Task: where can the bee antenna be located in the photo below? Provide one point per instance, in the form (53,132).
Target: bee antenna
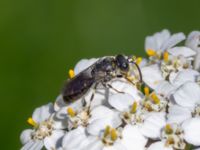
(138,68)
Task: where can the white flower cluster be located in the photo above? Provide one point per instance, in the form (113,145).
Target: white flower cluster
(162,113)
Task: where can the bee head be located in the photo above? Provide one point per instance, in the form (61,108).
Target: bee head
(122,63)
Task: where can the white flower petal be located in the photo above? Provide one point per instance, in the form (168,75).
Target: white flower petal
(143,63)
(172,76)
(59,103)
(25,136)
(132,138)
(73,138)
(126,87)
(83,64)
(55,140)
(185,76)
(60,123)
(191,131)
(178,114)
(98,99)
(116,146)
(193,40)
(95,145)
(85,144)
(42,113)
(39,146)
(184,51)
(100,112)
(187,95)
(159,146)
(62,113)
(157,40)
(152,75)
(165,88)
(173,40)
(98,125)
(121,102)
(33,145)
(153,124)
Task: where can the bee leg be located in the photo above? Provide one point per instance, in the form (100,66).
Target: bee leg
(111,87)
(84,103)
(138,85)
(129,81)
(121,76)
(92,96)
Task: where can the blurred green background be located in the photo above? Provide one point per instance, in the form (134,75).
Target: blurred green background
(41,39)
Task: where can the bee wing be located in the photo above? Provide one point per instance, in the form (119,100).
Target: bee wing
(80,84)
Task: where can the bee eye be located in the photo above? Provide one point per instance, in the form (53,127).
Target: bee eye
(122,62)
(124,65)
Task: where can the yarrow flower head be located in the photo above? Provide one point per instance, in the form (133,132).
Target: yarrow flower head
(133,103)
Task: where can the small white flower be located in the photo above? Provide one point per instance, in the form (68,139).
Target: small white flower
(173,136)
(173,65)
(47,131)
(154,102)
(156,44)
(163,40)
(128,107)
(127,138)
(101,117)
(74,116)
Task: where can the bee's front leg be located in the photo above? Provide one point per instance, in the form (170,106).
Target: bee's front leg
(107,85)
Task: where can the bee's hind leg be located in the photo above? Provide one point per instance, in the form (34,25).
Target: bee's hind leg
(92,96)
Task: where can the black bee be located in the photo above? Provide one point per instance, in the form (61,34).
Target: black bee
(102,71)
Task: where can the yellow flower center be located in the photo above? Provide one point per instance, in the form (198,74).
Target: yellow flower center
(71,112)
(113,134)
(168,129)
(151,52)
(166,56)
(71,73)
(134,107)
(107,131)
(146,91)
(138,60)
(110,134)
(32,122)
(155,98)
(148,107)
